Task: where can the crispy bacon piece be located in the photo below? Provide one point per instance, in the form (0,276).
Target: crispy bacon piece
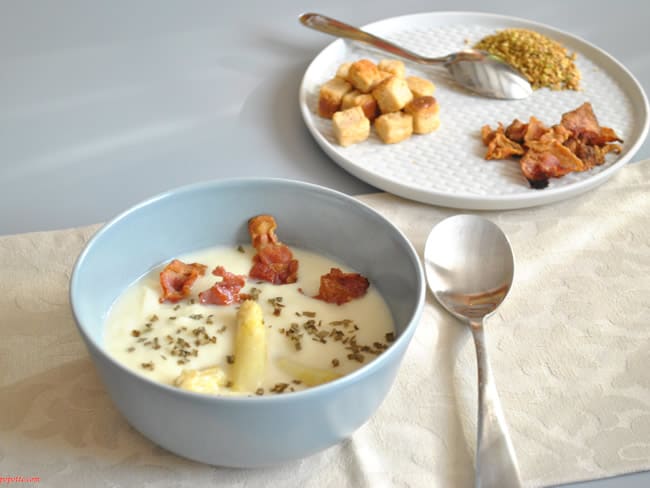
(262,231)
(607,135)
(223,292)
(516,131)
(534,130)
(275,264)
(499,146)
(583,124)
(556,133)
(339,287)
(591,155)
(544,161)
(487,134)
(502,148)
(614,148)
(274,261)
(177,278)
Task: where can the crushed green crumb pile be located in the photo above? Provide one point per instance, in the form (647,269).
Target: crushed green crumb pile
(545,62)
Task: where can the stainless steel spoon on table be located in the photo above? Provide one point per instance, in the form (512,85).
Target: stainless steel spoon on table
(478,71)
(469,266)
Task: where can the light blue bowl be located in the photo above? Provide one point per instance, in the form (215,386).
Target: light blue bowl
(257,431)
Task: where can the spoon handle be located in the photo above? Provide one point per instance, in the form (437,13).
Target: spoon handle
(496,463)
(340,29)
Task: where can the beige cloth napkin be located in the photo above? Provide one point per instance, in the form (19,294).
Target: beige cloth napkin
(570,349)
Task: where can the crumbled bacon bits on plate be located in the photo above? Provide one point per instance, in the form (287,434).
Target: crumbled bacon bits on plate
(577,143)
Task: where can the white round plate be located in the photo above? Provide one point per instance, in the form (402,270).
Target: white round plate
(447,167)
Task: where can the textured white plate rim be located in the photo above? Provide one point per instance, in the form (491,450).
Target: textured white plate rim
(633,89)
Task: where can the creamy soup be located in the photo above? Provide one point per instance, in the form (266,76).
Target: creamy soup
(162,340)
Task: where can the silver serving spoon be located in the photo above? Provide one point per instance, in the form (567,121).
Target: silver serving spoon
(470,267)
(478,71)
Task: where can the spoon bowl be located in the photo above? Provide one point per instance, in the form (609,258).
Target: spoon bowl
(469,267)
(477,71)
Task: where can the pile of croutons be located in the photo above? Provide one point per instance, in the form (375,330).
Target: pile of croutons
(363,93)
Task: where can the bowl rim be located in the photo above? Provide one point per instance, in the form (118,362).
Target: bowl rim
(346,380)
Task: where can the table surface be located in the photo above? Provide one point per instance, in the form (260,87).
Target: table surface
(105,104)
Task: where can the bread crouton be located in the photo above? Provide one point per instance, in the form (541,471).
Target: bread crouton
(331,96)
(364,100)
(350,126)
(392,94)
(384,75)
(364,75)
(420,87)
(425,114)
(394,127)
(344,71)
(393,66)
(349,99)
